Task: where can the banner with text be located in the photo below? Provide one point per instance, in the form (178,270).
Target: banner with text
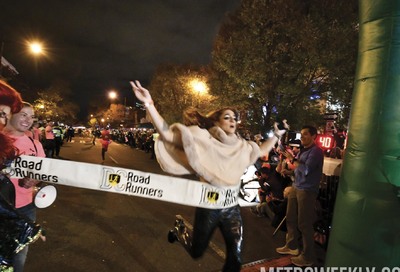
(124,181)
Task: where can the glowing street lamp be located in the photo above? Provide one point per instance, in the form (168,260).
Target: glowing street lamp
(198,86)
(35,48)
(112,94)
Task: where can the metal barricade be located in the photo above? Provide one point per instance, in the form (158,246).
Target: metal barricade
(326,199)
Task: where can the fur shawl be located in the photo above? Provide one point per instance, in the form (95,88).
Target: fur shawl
(214,156)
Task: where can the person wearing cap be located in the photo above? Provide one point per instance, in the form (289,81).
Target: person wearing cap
(286,166)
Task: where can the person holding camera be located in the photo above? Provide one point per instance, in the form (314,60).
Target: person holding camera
(300,214)
(286,166)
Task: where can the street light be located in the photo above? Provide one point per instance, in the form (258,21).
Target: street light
(199,87)
(33,47)
(112,94)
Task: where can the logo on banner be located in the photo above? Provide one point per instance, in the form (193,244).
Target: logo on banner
(220,196)
(129,182)
(114,179)
(212,197)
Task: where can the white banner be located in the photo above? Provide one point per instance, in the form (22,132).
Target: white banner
(124,181)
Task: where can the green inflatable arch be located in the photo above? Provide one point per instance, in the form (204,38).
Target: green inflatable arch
(366,222)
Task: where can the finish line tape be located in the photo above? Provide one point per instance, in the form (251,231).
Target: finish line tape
(124,181)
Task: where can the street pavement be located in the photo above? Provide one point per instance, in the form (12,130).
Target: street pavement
(89,230)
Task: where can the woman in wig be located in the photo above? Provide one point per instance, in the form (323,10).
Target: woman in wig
(209,147)
(16,231)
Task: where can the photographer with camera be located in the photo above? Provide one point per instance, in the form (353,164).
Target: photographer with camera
(285,165)
(300,214)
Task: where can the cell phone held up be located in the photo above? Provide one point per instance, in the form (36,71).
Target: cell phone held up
(283,148)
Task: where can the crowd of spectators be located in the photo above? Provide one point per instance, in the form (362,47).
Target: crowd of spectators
(284,188)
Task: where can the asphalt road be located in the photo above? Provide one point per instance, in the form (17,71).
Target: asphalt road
(89,230)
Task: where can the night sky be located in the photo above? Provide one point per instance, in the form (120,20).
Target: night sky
(97,45)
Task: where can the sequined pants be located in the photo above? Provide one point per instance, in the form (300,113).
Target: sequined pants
(19,259)
(229,221)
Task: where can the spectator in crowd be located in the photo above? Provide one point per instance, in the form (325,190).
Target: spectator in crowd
(339,135)
(154,137)
(300,215)
(270,189)
(131,138)
(16,231)
(16,129)
(10,102)
(42,129)
(278,209)
(70,133)
(35,130)
(95,134)
(49,143)
(58,138)
(149,141)
(285,166)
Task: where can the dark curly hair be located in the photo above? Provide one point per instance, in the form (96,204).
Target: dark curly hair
(7,150)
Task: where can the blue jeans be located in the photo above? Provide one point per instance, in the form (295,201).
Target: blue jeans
(20,258)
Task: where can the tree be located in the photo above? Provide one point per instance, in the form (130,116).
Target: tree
(270,57)
(54,104)
(173,93)
(115,114)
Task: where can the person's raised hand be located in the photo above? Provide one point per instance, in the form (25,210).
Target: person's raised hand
(288,154)
(285,124)
(141,93)
(278,132)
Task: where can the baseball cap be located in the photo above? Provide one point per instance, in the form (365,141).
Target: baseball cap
(296,143)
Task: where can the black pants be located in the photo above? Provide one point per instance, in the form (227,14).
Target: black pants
(49,147)
(57,145)
(229,221)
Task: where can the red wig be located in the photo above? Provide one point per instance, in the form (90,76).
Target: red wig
(7,150)
(10,97)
